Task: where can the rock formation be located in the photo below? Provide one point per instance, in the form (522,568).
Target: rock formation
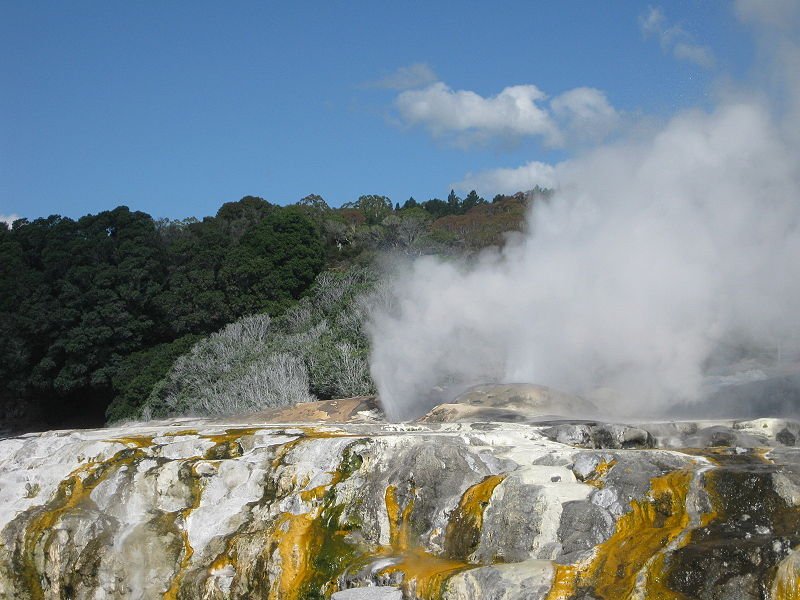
(482,508)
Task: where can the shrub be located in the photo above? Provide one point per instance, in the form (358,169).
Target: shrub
(315,349)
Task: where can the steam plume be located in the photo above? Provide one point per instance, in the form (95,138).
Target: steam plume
(657,259)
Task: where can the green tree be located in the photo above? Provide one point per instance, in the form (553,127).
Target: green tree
(314,202)
(374,208)
(89,289)
(138,372)
(193,299)
(436,208)
(274,263)
(471,201)
(453,202)
(235,219)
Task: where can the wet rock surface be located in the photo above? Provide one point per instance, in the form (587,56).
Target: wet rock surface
(363,509)
(756,528)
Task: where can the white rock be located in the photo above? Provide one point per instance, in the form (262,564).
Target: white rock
(369,593)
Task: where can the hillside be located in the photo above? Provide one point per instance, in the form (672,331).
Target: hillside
(94,312)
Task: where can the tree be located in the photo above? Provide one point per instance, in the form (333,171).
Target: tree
(404,230)
(235,219)
(410,203)
(437,208)
(88,298)
(137,374)
(471,201)
(274,263)
(91,309)
(314,202)
(374,208)
(453,202)
(193,300)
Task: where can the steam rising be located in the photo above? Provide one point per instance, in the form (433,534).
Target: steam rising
(657,261)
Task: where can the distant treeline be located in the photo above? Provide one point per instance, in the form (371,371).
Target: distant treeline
(95,311)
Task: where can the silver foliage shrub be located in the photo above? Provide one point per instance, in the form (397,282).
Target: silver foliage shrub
(316,349)
(270,381)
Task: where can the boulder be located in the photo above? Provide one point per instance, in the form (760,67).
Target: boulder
(510,402)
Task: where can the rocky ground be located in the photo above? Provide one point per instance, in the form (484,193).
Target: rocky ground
(495,497)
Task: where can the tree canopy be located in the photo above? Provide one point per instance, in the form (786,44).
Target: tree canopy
(95,312)
(78,297)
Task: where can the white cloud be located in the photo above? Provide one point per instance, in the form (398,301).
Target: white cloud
(464,117)
(675,39)
(653,23)
(699,55)
(774,13)
(407,78)
(586,112)
(512,113)
(9,219)
(509,181)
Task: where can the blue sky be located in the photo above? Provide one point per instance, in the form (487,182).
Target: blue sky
(174,108)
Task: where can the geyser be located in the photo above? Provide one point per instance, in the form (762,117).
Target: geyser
(657,255)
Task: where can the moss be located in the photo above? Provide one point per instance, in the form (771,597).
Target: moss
(351,461)
(225,450)
(181,432)
(334,553)
(136,441)
(228,445)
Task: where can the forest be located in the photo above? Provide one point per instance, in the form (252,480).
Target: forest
(118,315)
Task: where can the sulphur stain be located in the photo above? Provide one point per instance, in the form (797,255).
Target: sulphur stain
(425,575)
(349,464)
(71,493)
(786,585)
(598,476)
(399,519)
(295,536)
(135,441)
(466,522)
(747,507)
(226,445)
(633,556)
(311,548)
(325,540)
(192,479)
